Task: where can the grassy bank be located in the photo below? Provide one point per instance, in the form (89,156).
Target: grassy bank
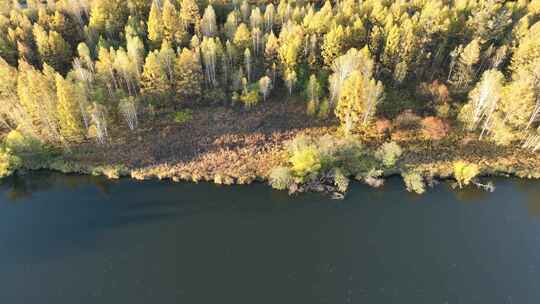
(231,146)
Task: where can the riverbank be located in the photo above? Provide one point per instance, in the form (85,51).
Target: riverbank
(231,146)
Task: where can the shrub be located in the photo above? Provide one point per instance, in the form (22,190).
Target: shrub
(372,178)
(250,98)
(306,161)
(414,182)
(182,117)
(388,153)
(311,108)
(407,120)
(434,128)
(214,96)
(465,172)
(29,150)
(341,181)
(8,162)
(281,178)
(17,142)
(324,109)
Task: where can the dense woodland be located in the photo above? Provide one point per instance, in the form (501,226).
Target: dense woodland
(72,70)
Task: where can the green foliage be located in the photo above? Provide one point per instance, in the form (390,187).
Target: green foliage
(340,180)
(182,117)
(188,77)
(305,161)
(18,143)
(23,149)
(8,162)
(164,53)
(414,182)
(465,172)
(281,178)
(388,153)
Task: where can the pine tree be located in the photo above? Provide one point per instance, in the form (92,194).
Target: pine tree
(108,17)
(69,115)
(189,14)
(231,24)
(466,72)
(271,50)
(155,85)
(208,23)
(358,101)
(333,45)
(173,30)
(52,49)
(155,26)
(188,77)
(290,39)
(242,37)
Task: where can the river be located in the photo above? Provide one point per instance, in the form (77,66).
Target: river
(83,239)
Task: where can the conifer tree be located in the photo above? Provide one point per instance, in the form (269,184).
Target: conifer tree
(154,82)
(358,101)
(173,30)
(242,37)
(208,23)
(231,24)
(333,45)
(189,13)
(69,116)
(188,77)
(155,26)
(271,50)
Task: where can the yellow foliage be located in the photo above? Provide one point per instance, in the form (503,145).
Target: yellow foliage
(464,172)
(305,161)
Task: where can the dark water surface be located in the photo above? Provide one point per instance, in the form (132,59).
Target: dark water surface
(79,239)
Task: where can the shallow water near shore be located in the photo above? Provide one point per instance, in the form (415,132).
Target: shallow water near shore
(86,239)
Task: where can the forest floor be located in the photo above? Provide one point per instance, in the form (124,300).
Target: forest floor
(228,145)
(232,144)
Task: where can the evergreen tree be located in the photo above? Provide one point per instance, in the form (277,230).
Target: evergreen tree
(155,85)
(358,101)
(188,77)
(242,37)
(155,26)
(173,30)
(333,45)
(189,14)
(108,17)
(208,23)
(69,116)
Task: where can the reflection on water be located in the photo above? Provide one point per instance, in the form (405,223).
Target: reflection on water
(532,194)
(85,239)
(19,187)
(469,194)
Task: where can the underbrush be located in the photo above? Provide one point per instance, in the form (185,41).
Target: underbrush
(327,163)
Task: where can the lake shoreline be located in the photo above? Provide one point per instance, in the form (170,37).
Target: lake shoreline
(230,146)
(439,171)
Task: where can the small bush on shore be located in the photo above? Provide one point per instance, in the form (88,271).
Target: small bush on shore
(8,162)
(389,153)
(281,178)
(414,182)
(31,152)
(465,172)
(327,162)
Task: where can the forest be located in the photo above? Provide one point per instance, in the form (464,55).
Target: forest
(379,74)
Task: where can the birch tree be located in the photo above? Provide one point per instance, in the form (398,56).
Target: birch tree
(265,86)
